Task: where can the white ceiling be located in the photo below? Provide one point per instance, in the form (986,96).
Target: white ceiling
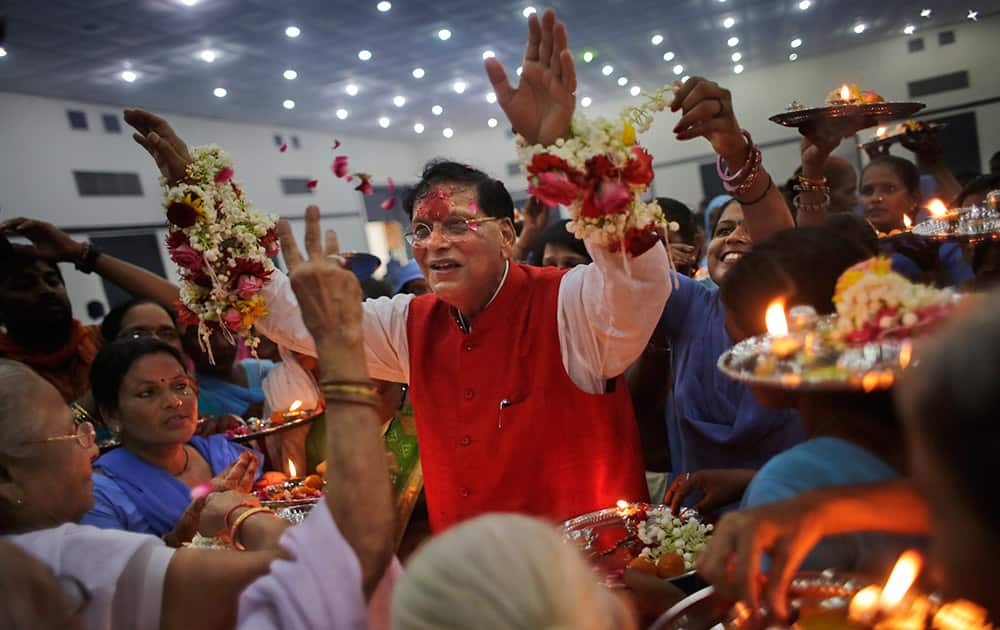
(77,49)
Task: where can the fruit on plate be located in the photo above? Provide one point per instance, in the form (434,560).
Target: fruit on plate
(642,565)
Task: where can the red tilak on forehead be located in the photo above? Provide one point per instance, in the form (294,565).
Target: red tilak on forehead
(434,205)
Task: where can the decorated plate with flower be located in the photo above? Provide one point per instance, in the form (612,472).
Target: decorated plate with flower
(871,114)
(972,224)
(255,428)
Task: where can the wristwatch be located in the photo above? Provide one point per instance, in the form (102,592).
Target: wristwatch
(88,258)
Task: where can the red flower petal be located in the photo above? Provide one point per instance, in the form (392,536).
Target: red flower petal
(311,184)
(392,185)
(349,178)
(365,187)
(389,203)
(336,144)
(339,166)
(283,148)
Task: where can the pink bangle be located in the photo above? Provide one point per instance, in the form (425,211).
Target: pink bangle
(754,163)
(740,173)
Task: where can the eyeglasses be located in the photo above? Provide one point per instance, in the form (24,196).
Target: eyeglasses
(451,228)
(84,436)
(163,334)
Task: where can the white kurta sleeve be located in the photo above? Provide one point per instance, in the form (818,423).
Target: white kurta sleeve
(607,313)
(384,328)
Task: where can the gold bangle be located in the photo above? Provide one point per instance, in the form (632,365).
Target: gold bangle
(349,400)
(819,181)
(335,389)
(235,529)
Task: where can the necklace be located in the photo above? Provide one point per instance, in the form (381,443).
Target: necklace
(187,461)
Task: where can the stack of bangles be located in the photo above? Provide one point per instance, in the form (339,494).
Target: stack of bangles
(742,181)
(351,392)
(810,185)
(234,528)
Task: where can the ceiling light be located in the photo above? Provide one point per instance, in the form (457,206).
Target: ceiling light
(459,86)
(437,110)
(208,56)
(290,74)
(795,43)
(352,89)
(926,13)
(3,51)
(585,101)
(684,79)
(733,42)
(656,40)
(293,32)
(488,54)
(588,56)
(736,56)
(491,97)
(447,132)
(444,34)
(364,55)
(220,92)
(418,73)
(399,101)
(418,128)
(128,76)
(384,122)
(738,68)
(793,56)
(519,70)
(383,6)
(492,122)
(189,3)
(678,69)
(288,103)
(342,113)
(972,15)
(859,28)
(729,22)
(669,55)
(607,70)
(805,4)
(910,29)
(622,81)
(528,11)
(635,90)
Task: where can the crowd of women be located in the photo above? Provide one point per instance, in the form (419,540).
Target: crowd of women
(602,372)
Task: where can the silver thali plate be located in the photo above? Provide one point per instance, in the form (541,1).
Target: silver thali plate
(973,224)
(871,114)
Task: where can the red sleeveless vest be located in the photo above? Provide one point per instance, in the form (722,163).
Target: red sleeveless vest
(501,426)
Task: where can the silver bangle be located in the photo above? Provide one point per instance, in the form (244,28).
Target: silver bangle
(811,207)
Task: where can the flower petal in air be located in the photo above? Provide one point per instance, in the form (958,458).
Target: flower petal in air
(339,166)
(312,183)
(389,203)
(283,148)
(392,185)
(336,144)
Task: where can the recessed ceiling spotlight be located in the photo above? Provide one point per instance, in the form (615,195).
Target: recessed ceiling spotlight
(488,54)
(437,110)
(342,113)
(736,56)
(729,22)
(3,51)
(364,55)
(635,90)
(607,70)
(208,55)
(447,132)
(383,6)
(290,74)
(678,69)
(738,68)
(793,56)
(795,43)
(972,15)
(859,28)
(352,89)
(384,122)
(669,55)
(684,79)
(529,11)
(492,122)
(129,76)
(909,29)
(588,56)
(459,86)
(189,3)
(585,101)
(288,103)
(805,4)
(293,32)
(491,97)
(520,69)
(656,40)
(399,101)
(733,42)
(444,34)
(418,73)
(926,13)
(220,92)
(623,81)
(418,128)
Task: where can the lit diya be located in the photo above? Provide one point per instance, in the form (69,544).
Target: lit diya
(866,107)
(972,224)
(280,420)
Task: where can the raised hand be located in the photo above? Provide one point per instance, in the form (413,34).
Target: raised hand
(541,107)
(47,241)
(708,112)
(820,140)
(239,475)
(158,138)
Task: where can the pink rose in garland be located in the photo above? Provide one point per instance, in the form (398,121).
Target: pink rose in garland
(270,243)
(232,319)
(247,286)
(612,198)
(553,188)
(187,257)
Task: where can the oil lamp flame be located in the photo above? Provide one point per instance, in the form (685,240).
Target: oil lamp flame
(777,323)
(291,468)
(907,222)
(845,93)
(905,354)
(622,504)
(937,208)
(903,575)
(295,405)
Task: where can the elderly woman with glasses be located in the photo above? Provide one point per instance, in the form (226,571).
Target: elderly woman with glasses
(146,397)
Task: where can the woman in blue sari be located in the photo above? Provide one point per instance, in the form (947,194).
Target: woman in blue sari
(146,396)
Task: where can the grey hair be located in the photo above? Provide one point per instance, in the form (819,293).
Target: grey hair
(17,383)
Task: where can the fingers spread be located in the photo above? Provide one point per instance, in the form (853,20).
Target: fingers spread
(289,248)
(313,234)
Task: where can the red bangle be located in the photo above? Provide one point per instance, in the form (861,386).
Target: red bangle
(229,514)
